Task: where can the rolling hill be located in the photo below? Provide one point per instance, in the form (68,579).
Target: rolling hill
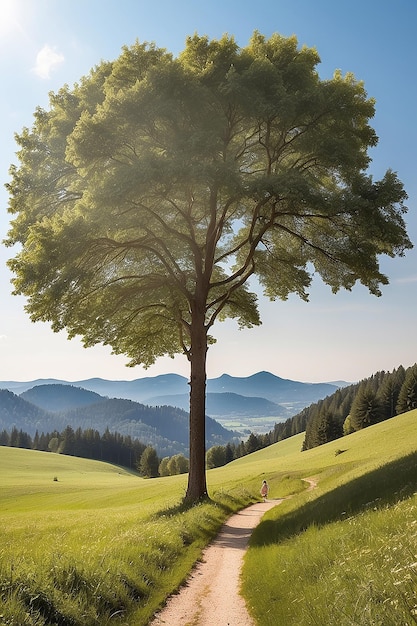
(55,397)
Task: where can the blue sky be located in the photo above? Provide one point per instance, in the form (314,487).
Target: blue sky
(47,43)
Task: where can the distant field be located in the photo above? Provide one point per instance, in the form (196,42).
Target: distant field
(84,542)
(249,425)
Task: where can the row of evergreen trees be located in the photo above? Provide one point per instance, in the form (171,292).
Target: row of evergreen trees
(111,447)
(124,450)
(380,397)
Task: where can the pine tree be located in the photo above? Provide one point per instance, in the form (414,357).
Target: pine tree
(366,408)
(14,441)
(229,453)
(67,445)
(4,438)
(252,444)
(388,394)
(328,428)
(407,399)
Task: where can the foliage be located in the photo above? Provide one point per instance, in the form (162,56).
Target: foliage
(170,466)
(163,467)
(366,409)
(178,464)
(292,426)
(111,447)
(89,444)
(389,391)
(149,463)
(357,406)
(407,397)
(160,186)
(216,457)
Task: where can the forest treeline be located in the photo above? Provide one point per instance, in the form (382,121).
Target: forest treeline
(380,397)
(375,399)
(111,447)
(124,450)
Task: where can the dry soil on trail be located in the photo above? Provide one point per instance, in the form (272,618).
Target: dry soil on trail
(211,595)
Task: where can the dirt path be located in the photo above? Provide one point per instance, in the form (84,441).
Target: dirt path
(211,595)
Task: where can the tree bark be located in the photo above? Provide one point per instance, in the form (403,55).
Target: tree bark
(197,485)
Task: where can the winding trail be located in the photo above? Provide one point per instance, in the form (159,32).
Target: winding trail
(211,595)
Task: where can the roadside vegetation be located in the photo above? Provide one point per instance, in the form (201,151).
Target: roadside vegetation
(88,543)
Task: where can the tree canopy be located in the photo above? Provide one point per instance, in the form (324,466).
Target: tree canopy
(149,193)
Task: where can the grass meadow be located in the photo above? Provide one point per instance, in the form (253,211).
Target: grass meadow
(85,543)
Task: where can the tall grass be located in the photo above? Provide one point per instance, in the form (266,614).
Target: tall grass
(345,553)
(86,543)
(360,571)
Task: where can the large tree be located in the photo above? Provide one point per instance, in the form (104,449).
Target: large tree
(148,195)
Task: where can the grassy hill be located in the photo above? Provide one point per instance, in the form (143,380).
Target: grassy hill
(86,543)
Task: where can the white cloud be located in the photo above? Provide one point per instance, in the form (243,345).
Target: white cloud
(47,60)
(3,337)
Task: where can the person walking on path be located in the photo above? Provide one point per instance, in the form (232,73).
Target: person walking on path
(264,490)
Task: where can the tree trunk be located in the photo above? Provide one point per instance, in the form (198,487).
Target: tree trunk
(197,485)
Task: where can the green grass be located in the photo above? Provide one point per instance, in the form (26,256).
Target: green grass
(85,543)
(346,552)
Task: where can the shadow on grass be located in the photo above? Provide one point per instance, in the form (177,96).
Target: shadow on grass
(386,485)
(185,505)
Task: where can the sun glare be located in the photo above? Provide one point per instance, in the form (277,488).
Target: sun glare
(9,17)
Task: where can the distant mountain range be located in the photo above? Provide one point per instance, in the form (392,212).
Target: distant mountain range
(226,395)
(155,409)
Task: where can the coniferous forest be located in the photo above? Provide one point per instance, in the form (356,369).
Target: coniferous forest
(380,397)
(375,399)
(89,444)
